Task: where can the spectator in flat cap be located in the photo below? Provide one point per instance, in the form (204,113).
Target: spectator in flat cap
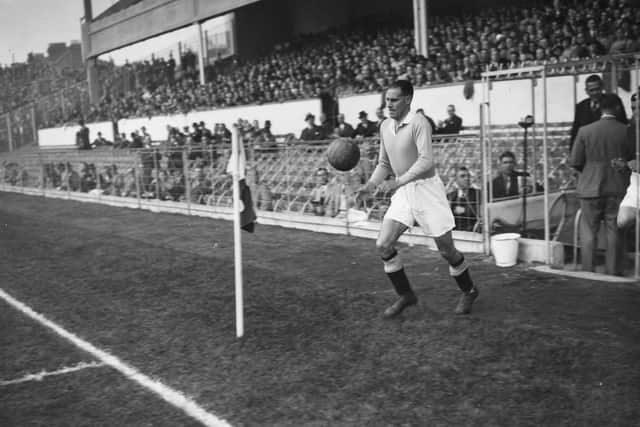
(365,128)
(312,132)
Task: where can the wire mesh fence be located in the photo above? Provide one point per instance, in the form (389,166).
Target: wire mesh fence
(290,177)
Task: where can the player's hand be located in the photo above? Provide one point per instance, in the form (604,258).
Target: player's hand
(633,165)
(389,185)
(364,192)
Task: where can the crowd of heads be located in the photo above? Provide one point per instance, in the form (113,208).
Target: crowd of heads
(337,62)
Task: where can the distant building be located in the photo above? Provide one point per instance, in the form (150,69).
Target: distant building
(56,50)
(63,56)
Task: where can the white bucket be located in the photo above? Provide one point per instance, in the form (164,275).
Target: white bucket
(504,248)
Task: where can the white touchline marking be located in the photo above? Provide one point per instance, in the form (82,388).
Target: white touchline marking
(42,374)
(170,395)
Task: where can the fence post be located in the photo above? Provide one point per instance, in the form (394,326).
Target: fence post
(9,131)
(67,178)
(34,125)
(98,178)
(43,175)
(136,175)
(156,168)
(187,182)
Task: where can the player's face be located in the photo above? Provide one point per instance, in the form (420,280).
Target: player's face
(397,103)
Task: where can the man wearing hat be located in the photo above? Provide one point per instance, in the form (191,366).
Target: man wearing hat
(312,132)
(365,128)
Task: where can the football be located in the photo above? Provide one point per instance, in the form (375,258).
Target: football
(343,154)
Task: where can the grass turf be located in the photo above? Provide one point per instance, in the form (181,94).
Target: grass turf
(157,291)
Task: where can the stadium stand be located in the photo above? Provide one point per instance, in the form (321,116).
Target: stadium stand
(335,62)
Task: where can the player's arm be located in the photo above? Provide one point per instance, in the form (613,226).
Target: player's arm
(380,173)
(424,164)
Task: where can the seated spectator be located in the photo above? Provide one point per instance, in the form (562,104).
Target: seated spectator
(262,197)
(366,128)
(101,141)
(344,129)
(88,180)
(207,136)
(506,183)
(200,186)
(136,141)
(452,124)
(325,197)
(265,132)
(126,184)
(312,132)
(70,179)
(196,133)
(175,185)
(465,201)
(121,141)
(107,179)
(149,159)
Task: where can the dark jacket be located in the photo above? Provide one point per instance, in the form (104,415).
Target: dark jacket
(82,138)
(499,186)
(596,145)
(346,131)
(451,125)
(368,130)
(312,134)
(584,115)
(465,209)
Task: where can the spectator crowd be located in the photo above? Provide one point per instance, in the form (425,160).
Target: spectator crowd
(356,61)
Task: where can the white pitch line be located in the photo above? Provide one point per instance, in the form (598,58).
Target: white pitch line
(42,374)
(170,395)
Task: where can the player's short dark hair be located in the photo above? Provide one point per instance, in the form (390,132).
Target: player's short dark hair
(462,168)
(610,102)
(405,86)
(507,154)
(593,78)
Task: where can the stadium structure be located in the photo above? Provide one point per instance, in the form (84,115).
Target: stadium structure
(492,100)
(119,267)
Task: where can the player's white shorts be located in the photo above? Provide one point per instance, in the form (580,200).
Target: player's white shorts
(631,198)
(425,202)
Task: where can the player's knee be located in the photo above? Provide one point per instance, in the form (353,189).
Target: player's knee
(384,247)
(447,249)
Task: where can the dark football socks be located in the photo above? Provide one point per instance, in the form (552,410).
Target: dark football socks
(395,271)
(460,272)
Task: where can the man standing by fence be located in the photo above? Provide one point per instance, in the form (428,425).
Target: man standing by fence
(600,153)
(82,137)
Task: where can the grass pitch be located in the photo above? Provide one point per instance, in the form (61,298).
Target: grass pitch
(156,290)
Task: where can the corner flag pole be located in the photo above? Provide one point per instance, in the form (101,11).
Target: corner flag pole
(237,238)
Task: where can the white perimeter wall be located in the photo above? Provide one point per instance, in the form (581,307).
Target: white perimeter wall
(285,118)
(65,136)
(510,101)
